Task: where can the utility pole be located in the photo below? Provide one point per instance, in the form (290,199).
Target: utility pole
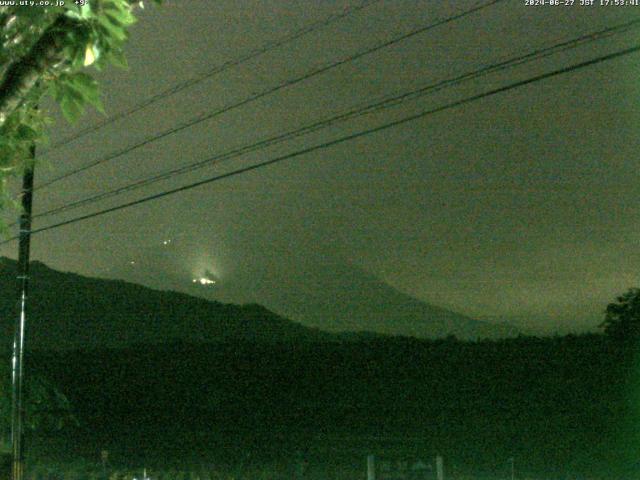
(17,408)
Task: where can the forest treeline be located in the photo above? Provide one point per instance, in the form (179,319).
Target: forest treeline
(554,404)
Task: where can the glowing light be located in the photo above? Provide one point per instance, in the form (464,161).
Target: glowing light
(166,242)
(204,281)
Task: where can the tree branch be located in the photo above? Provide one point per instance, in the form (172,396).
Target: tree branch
(21,76)
(6,19)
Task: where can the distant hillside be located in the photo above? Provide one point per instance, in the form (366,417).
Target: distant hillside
(340,297)
(317,290)
(70,311)
(73,311)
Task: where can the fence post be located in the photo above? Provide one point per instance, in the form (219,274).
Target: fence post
(371,467)
(439,468)
(301,465)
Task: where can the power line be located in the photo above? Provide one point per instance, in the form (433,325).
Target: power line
(340,140)
(214,71)
(386,102)
(269,91)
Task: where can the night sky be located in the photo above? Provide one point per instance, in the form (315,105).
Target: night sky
(521,206)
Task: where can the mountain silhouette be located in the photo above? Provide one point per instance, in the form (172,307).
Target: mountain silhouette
(68,311)
(339,296)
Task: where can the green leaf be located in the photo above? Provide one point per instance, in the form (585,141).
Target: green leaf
(69,91)
(113,27)
(88,88)
(7,158)
(55,91)
(91,54)
(117,58)
(121,11)
(85,83)
(85,11)
(72,10)
(25,132)
(71,109)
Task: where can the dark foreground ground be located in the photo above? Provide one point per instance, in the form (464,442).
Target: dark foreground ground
(561,408)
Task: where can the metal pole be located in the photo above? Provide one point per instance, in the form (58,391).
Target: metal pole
(371,467)
(17,408)
(439,468)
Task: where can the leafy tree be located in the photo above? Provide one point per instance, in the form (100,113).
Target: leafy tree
(622,320)
(46,51)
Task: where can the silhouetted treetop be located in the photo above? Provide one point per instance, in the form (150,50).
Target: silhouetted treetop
(622,320)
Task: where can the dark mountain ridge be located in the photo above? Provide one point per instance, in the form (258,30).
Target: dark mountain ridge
(316,289)
(68,311)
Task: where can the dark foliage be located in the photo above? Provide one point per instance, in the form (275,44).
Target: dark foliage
(561,404)
(622,320)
